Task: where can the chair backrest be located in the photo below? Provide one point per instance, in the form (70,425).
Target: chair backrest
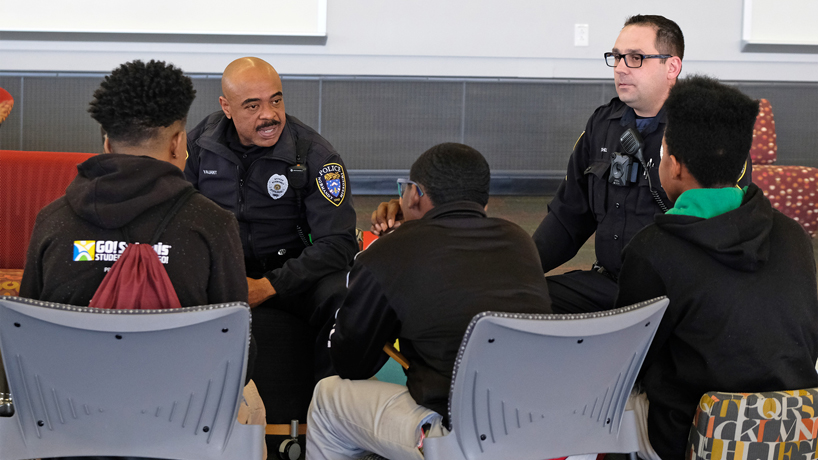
(132,383)
(546,386)
(28,182)
(773,424)
(764,149)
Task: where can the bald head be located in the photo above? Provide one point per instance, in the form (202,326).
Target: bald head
(246,68)
(254,100)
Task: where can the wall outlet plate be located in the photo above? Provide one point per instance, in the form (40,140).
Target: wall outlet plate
(581,34)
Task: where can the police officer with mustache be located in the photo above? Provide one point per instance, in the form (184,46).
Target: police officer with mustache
(289,191)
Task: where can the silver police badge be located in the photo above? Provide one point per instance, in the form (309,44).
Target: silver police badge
(332,183)
(277,186)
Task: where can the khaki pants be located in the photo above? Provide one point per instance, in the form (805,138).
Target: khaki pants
(349,418)
(251,410)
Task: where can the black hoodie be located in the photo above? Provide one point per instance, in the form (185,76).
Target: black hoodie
(77,238)
(423,283)
(743,313)
(200,248)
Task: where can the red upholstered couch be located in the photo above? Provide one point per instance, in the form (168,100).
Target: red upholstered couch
(791,189)
(28,182)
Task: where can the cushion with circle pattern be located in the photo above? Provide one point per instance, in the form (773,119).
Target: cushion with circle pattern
(764,150)
(10,282)
(791,190)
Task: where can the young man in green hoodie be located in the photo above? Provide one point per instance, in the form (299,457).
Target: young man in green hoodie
(740,276)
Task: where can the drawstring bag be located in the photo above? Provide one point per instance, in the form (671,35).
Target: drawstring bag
(137,280)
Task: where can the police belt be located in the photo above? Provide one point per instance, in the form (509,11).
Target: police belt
(256,267)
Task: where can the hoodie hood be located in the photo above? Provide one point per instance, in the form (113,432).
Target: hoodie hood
(111,190)
(739,239)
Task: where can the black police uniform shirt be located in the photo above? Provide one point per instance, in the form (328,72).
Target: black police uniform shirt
(586,202)
(265,203)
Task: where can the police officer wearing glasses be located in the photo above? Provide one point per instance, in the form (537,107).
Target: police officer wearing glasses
(612,187)
(612,184)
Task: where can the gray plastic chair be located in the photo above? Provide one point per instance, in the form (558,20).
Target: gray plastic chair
(137,383)
(546,386)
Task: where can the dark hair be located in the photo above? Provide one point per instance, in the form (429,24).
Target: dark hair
(137,98)
(710,129)
(452,172)
(669,37)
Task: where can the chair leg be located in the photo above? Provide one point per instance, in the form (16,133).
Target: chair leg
(632,456)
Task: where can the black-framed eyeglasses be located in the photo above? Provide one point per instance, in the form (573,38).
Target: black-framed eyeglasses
(632,60)
(402,183)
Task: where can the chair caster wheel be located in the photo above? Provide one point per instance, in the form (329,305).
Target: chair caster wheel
(289,449)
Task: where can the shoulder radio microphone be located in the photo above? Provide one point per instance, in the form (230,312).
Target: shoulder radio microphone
(623,170)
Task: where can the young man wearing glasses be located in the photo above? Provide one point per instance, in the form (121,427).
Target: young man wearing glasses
(646,59)
(422,284)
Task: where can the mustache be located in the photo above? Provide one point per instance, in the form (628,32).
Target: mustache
(268,124)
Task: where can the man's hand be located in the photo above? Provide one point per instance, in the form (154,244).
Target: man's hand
(387,217)
(259,291)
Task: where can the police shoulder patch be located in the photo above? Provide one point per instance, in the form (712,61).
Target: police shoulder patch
(332,183)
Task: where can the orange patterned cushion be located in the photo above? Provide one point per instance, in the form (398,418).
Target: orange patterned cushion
(10,282)
(764,150)
(741,426)
(791,190)
(5,109)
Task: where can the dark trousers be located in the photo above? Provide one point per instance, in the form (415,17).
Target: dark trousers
(291,334)
(581,291)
